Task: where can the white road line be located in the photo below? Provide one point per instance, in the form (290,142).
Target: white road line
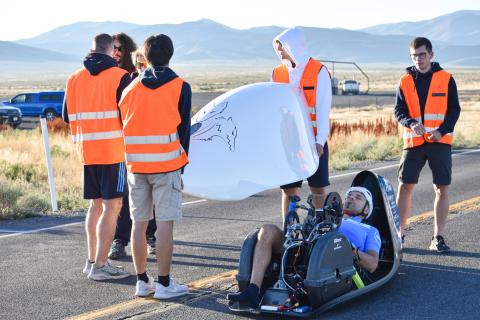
(439,269)
(18,233)
(394,165)
(14,233)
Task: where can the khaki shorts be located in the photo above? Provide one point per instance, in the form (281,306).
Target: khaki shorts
(162,190)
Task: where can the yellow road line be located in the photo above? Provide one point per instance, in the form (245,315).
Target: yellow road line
(472,203)
(137,302)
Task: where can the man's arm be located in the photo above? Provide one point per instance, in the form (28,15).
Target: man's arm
(185,108)
(401,110)
(124,82)
(323,106)
(368,260)
(453,109)
(64,109)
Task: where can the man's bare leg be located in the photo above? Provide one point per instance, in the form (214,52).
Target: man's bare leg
(91,221)
(319,194)
(106,229)
(404,203)
(440,208)
(269,240)
(286,193)
(164,246)
(139,246)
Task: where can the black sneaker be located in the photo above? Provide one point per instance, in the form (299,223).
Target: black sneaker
(117,251)
(246,300)
(438,244)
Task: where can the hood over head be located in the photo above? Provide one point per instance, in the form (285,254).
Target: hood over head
(293,41)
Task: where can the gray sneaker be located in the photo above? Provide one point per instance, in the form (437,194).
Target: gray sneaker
(117,251)
(151,246)
(107,272)
(88,267)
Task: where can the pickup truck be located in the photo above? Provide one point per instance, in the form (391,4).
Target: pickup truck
(10,116)
(349,87)
(48,104)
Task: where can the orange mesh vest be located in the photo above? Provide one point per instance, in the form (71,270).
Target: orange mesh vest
(308,83)
(94,117)
(150,120)
(435,108)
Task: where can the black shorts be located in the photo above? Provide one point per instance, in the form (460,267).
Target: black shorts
(439,157)
(105,181)
(320,178)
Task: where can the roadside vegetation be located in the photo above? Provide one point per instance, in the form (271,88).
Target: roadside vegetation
(24,189)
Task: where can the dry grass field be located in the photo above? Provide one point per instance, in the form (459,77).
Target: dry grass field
(371,134)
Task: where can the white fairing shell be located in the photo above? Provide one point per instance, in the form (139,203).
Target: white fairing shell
(247,140)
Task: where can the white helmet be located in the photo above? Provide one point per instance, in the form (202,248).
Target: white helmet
(367,194)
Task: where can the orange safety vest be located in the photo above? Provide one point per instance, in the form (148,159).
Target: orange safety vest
(435,108)
(94,117)
(308,83)
(150,120)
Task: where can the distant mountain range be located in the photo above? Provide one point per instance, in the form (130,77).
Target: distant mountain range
(458,28)
(456,40)
(11,51)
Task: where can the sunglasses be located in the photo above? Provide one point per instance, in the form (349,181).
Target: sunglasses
(119,48)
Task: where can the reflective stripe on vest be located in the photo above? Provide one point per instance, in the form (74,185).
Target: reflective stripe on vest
(97,136)
(435,108)
(308,83)
(152,146)
(162,139)
(154,157)
(94,117)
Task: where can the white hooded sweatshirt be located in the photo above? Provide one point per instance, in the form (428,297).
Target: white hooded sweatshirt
(293,41)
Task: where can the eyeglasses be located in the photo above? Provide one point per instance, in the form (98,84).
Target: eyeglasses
(119,48)
(417,56)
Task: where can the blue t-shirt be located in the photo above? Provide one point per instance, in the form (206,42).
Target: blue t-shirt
(361,235)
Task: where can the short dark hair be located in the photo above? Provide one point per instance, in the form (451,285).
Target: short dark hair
(158,50)
(421,41)
(127,46)
(102,43)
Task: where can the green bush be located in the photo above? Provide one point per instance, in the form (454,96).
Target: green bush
(8,199)
(386,148)
(370,149)
(71,200)
(33,203)
(57,152)
(24,172)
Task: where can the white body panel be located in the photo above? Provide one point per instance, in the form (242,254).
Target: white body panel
(247,140)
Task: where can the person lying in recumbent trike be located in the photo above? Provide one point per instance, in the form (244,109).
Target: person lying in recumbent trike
(271,242)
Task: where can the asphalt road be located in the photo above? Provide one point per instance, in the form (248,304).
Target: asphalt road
(41,277)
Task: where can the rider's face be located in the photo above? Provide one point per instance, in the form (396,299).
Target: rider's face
(354,203)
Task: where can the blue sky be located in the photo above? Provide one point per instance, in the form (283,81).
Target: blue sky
(28,18)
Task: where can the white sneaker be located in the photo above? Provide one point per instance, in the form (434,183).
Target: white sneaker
(144,289)
(107,272)
(173,290)
(88,267)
